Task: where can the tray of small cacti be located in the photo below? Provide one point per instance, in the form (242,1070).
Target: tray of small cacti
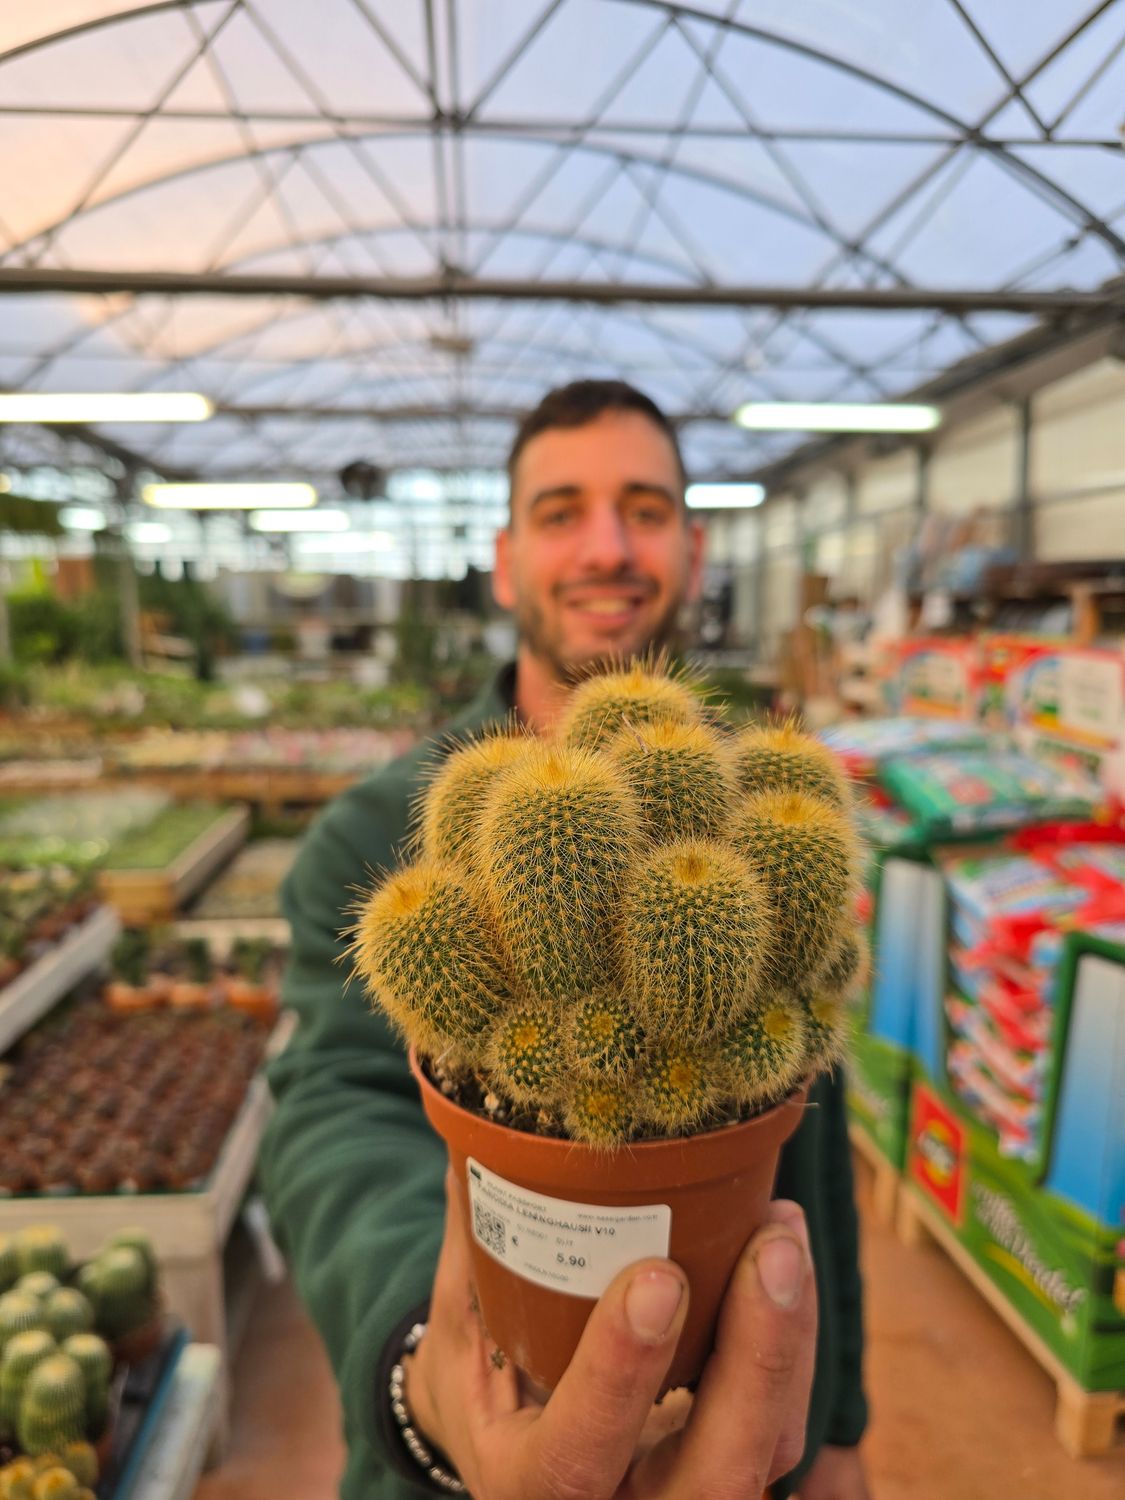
(148,875)
(250,886)
(69,1334)
(152,969)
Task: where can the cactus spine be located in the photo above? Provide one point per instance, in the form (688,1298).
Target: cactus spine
(452,805)
(600,1111)
(20,1312)
(424,948)
(91,1354)
(52,1411)
(680,776)
(68,1311)
(694,933)
(119,1290)
(845,972)
(604,704)
(680,1087)
(525,1053)
(766,1052)
(827,1024)
(40,1247)
(559,832)
(21,1355)
(603,1037)
(779,758)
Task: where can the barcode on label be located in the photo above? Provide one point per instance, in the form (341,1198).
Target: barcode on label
(490,1229)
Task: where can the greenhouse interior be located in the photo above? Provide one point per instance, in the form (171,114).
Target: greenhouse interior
(562,749)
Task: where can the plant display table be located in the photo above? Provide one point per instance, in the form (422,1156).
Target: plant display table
(146,893)
(185,1420)
(34,991)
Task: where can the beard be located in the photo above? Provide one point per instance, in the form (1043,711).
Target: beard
(546,642)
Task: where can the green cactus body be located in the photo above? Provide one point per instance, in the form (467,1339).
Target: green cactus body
(52,1411)
(606,703)
(680,777)
(92,1356)
(138,1240)
(9,1263)
(39,1284)
(680,1087)
(424,948)
(41,1247)
(20,1312)
(779,758)
(120,1291)
(56,1483)
(82,1461)
(525,1054)
(693,937)
(17,1480)
(454,801)
(603,1037)
(600,1112)
(766,1053)
(804,852)
(845,972)
(559,832)
(21,1355)
(828,1027)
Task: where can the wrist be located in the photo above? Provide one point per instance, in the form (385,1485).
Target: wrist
(422,1450)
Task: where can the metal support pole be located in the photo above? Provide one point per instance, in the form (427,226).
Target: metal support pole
(1024,512)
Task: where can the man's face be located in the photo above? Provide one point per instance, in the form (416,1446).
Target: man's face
(599,554)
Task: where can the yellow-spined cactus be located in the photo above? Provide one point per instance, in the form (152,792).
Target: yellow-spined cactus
(604,704)
(638,927)
(779,758)
(559,832)
(424,947)
(680,775)
(450,808)
(805,852)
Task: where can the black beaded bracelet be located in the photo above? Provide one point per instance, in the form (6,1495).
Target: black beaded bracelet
(442,1478)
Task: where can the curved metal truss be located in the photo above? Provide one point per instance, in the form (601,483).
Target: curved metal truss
(586,143)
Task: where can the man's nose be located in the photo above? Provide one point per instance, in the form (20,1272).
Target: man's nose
(606,543)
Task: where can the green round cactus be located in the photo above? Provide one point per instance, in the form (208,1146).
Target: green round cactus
(9,1263)
(119,1291)
(680,776)
(39,1284)
(559,832)
(604,704)
(694,935)
(805,853)
(451,806)
(845,971)
(41,1247)
(20,1312)
(766,1053)
(92,1356)
(525,1053)
(140,1241)
(600,1111)
(53,1409)
(603,1037)
(779,758)
(68,1311)
(21,1354)
(424,948)
(680,1087)
(827,1026)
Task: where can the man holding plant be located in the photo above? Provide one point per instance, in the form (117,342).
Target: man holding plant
(596,562)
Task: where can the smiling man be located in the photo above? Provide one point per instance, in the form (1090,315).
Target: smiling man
(598,559)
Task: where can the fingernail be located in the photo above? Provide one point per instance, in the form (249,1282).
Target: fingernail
(651,1303)
(781,1267)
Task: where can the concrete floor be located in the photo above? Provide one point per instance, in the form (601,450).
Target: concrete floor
(960,1410)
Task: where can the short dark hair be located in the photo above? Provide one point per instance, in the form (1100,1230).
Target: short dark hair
(583,401)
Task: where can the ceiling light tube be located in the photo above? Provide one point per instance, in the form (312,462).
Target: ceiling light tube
(724,496)
(300,520)
(104,406)
(81,518)
(229,496)
(148,533)
(836,416)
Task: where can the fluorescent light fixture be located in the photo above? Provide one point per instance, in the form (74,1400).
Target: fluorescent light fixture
(81,518)
(104,406)
(724,496)
(355,541)
(300,520)
(836,416)
(148,533)
(229,496)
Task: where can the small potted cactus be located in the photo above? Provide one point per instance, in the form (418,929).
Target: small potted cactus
(194,988)
(247,988)
(619,956)
(122,1284)
(129,989)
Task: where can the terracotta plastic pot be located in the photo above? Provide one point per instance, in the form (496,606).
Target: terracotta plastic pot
(546,1241)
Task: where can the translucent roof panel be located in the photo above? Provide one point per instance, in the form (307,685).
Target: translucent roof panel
(581,143)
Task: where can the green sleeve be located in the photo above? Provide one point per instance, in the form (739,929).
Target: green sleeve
(351,1172)
(848,1417)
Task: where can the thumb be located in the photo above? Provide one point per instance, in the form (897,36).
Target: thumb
(586,1436)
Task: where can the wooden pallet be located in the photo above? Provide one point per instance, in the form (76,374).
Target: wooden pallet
(886,1174)
(142,897)
(1086,1422)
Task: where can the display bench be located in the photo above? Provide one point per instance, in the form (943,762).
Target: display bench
(33,992)
(142,897)
(271,788)
(180,1428)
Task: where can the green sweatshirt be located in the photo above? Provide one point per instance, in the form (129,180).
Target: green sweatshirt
(353,1174)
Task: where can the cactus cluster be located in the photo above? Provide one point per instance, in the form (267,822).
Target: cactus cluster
(637,927)
(68,1475)
(121,1284)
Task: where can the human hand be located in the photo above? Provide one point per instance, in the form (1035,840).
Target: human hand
(745,1426)
(837,1474)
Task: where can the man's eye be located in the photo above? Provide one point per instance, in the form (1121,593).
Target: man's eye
(555,517)
(650,515)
